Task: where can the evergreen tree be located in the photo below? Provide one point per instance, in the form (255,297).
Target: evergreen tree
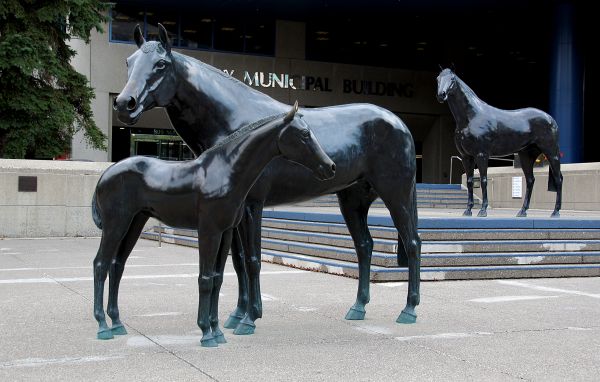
(43,100)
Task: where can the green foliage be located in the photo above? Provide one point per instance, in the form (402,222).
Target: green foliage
(43,100)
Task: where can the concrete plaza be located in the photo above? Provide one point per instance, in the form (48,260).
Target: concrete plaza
(536,329)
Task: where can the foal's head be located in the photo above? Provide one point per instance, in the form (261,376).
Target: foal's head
(297,143)
(446,84)
(151,78)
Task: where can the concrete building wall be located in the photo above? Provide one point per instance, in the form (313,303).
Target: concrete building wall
(580,184)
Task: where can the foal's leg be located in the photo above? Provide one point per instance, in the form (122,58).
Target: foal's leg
(112,234)
(116,271)
(237,257)
(218,281)
(469,165)
(527,158)
(482,164)
(209,241)
(250,230)
(354,205)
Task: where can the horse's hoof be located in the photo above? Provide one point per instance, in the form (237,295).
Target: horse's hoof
(467,213)
(355,314)
(482,213)
(105,334)
(522,214)
(406,318)
(220,338)
(555,214)
(209,343)
(118,330)
(233,321)
(244,329)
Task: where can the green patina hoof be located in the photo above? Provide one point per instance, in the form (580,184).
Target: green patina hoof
(105,334)
(355,314)
(406,318)
(522,214)
(220,339)
(468,213)
(482,214)
(209,343)
(232,322)
(244,329)
(119,330)
(555,214)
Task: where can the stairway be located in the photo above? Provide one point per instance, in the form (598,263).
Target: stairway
(453,248)
(428,196)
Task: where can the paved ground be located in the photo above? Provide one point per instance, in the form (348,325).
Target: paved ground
(542,329)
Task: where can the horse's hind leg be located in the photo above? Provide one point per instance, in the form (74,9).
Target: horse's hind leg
(527,158)
(116,271)
(354,205)
(469,165)
(218,281)
(557,178)
(482,164)
(237,257)
(400,197)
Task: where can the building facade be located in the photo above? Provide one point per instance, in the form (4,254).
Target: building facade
(321,55)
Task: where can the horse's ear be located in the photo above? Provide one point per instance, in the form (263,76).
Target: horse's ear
(163,36)
(138,36)
(452,67)
(292,113)
(440,65)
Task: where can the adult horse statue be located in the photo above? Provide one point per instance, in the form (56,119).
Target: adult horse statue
(206,194)
(373,150)
(483,131)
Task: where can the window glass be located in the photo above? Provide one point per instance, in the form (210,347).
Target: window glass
(259,37)
(229,35)
(196,32)
(124,20)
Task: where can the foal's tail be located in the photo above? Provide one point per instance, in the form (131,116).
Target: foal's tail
(95,214)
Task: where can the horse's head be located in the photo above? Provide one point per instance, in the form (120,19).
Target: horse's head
(150,77)
(297,143)
(446,84)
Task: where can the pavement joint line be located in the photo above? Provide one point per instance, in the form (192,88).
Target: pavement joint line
(546,289)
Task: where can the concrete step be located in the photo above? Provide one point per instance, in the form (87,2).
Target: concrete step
(388,260)
(438,234)
(432,273)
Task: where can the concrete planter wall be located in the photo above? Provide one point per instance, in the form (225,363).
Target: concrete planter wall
(581,187)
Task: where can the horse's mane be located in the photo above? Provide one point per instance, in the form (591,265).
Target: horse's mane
(468,91)
(244,130)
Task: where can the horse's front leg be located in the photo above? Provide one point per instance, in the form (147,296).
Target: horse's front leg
(208,248)
(469,165)
(482,164)
(250,230)
(237,256)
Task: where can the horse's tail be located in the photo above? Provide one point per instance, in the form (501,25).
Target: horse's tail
(95,213)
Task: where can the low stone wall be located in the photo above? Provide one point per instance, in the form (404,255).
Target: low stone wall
(60,205)
(581,187)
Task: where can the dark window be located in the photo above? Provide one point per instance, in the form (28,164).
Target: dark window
(229,35)
(259,37)
(124,20)
(170,20)
(196,32)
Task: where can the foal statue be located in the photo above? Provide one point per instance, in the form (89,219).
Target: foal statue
(206,194)
(483,131)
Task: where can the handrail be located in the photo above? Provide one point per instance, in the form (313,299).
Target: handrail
(460,159)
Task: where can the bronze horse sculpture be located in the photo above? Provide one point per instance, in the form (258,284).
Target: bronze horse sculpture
(373,150)
(206,194)
(483,131)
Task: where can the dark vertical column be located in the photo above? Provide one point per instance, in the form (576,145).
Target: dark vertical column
(566,84)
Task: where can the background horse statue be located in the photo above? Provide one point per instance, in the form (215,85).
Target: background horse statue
(206,194)
(373,150)
(483,131)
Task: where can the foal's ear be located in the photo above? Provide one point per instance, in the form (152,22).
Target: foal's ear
(163,36)
(292,113)
(138,36)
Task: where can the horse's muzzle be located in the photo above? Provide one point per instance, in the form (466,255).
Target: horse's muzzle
(442,97)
